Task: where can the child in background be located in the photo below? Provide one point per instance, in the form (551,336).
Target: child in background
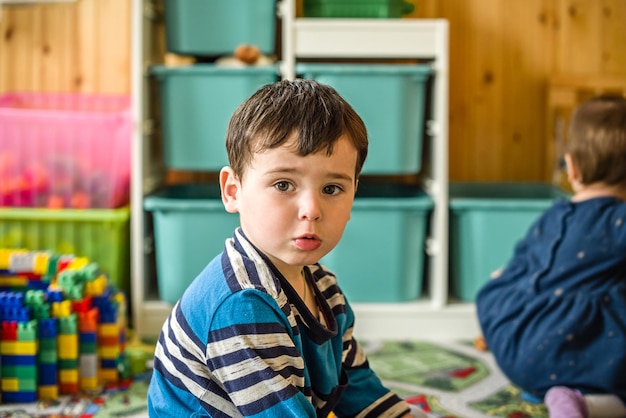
(555,318)
(264,330)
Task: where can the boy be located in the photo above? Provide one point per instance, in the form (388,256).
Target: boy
(264,330)
(555,318)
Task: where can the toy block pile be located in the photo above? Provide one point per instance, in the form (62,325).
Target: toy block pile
(63,327)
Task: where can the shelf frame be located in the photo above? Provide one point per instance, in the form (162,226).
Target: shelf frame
(434,315)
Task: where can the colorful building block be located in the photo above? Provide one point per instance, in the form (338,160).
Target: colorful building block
(49,301)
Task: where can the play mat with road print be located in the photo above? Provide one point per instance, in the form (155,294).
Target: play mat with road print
(453,380)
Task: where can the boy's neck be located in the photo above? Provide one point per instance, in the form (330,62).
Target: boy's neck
(591,191)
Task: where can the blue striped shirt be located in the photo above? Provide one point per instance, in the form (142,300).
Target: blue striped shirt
(241,343)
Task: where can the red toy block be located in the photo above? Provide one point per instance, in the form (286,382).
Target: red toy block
(9,331)
(83,305)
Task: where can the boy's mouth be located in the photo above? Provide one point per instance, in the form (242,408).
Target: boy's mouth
(308,242)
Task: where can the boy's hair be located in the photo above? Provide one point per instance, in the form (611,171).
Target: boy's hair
(312,112)
(597,139)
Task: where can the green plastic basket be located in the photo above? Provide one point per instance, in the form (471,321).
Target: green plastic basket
(101,235)
(357,8)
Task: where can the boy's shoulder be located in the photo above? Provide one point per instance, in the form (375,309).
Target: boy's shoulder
(220,280)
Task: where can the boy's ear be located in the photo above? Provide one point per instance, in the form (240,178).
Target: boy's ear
(573,174)
(229,185)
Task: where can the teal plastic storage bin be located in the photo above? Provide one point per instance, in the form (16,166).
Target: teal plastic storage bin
(190,227)
(381,255)
(217,27)
(196,105)
(357,8)
(391,101)
(486,222)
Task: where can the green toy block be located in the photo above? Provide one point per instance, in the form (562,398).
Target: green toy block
(73,284)
(47,357)
(34,298)
(67,364)
(27,385)
(53,264)
(41,311)
(27,331)
(91,271)
(68,325)
(88,348)
(19,372)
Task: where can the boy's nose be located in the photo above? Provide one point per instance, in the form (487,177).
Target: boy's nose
(310,207)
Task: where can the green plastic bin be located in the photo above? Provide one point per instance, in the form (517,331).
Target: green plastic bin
(381,255)
(486,222)
(217,27)
(190,227)
(101,235)
(391,101)
(357,8)
(197,103)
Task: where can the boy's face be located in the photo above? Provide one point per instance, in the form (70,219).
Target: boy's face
(294,208)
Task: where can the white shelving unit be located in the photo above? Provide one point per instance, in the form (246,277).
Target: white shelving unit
(433,316)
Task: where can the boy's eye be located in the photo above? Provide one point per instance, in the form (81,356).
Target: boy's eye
(282,186)
(331,189)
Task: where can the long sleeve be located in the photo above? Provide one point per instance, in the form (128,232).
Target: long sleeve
(243,365)
(365,396)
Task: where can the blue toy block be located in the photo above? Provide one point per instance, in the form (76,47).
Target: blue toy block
(19,360)
(14,313)
(19,397)
(48,374)
(108,364)
(54,296)
(88,337)
(12,299)
(48,328)
(37,285)
(103,299)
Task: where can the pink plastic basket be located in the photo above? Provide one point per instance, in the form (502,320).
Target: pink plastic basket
(64,150)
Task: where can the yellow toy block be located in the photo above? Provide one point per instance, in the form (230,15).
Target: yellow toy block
(10,385)
(61,309)
(108,330)
(89,383)
(96,287)
(69,344)
(6,254)
(109,353)
(13,281)
(40,265)
(68,376)
(21,348)
(78,263)
(108,375)
(48,393)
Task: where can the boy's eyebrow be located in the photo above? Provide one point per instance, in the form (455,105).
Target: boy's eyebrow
(292,170)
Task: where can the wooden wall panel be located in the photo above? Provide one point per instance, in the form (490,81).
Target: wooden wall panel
(503,54)
(82,46)
(614,37)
